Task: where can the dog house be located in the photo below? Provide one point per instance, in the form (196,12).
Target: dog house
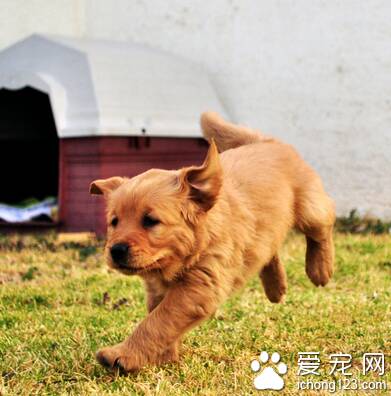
(75,110)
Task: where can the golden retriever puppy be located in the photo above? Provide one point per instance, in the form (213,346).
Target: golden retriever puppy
(197,234)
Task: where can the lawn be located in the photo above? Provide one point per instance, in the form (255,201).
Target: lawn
(59,304)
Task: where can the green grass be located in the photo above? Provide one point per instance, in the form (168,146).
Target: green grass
(53,318)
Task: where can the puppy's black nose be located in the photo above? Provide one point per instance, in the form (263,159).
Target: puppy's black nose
(120,254)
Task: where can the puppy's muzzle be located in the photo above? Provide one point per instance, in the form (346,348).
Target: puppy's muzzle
(120,253)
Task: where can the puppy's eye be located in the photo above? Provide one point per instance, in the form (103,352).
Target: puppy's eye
(114,221)
(149,222)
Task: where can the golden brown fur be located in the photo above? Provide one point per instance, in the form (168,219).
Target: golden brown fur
(197,234)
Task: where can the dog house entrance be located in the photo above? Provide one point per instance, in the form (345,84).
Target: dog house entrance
(29,154)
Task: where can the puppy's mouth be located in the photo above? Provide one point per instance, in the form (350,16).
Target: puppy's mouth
(134,270)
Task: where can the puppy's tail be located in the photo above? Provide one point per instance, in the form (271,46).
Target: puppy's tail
(225,134)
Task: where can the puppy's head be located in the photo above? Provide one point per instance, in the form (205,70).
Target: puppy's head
(155,219)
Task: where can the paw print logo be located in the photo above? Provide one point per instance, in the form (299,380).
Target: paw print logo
(268,377)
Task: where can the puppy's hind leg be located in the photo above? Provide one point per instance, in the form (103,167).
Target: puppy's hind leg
(320,255)
(315,218)
(274,280)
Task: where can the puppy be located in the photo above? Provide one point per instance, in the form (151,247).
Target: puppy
(197,234)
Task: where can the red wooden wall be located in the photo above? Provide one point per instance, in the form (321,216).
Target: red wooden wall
(83,160)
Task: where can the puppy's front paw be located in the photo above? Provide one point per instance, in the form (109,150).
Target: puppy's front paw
(117,358)
(107,357)
(125,364)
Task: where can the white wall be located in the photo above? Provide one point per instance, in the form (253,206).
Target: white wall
(316,73)
(19,18)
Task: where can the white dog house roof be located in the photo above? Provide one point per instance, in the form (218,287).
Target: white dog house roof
(106,88)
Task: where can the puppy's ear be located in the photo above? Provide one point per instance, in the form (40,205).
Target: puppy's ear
(104,186)
(203,183)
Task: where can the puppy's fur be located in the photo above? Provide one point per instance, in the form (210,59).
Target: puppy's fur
(197,234)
